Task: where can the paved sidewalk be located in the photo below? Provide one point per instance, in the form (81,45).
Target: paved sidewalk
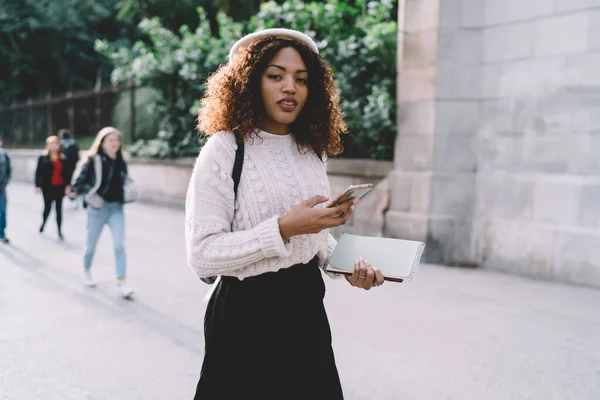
(450,334)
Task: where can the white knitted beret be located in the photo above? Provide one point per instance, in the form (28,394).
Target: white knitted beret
(277,32)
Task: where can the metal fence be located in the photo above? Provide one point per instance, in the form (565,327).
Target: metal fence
(84,113)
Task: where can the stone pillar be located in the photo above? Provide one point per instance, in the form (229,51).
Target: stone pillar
(433,182)
(410,182)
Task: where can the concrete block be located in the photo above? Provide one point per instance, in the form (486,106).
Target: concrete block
(562,114)
(462,252)
(359,168)
(24,164)
(494,154)
(161,184)
(531,78)
(339,183)
(414,153)
(561,35)
(575,5)
(369,214)
(588,209)
(544,153)
(457,117)
(510,42)
(400,36)
(416,118)
(449,241)
(558,153)
(450,15)
(472,14)
(581,71)
(416,84)
(515,246)
(439,242)
(527,114)
(490,80)
(594,34)
(166,181)
(420,193)
(400,190)
(458,82)
(455,153)
(499,144)
(590,163)
(504,196)
(496,118)
(405,225)
(556,201)
(421,15)
(580,154)
(577,257)
(420,49)
(459,45)
(509,11)
(452,195)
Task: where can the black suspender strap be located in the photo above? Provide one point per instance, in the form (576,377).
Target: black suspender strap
(236,174)
(237,165)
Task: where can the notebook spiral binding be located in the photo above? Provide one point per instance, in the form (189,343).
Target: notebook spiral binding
(417,261)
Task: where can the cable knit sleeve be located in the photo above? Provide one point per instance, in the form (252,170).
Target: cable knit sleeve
(331,243)
(212,249)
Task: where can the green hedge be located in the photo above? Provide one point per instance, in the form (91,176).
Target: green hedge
(358,41)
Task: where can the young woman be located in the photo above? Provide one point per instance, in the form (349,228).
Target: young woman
(266,331)
(52,178)
(104,195)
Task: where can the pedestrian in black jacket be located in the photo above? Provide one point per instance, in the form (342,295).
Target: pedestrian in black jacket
(104,183)
(69,147)
(52,179)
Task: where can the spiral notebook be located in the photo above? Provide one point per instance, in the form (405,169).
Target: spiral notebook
(397,259)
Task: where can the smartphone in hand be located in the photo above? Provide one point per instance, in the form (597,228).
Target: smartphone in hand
(353,191)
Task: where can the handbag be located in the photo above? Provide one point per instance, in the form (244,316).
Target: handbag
(130,191)
(92,197)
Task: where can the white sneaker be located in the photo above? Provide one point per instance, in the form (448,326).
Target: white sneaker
(124,291)
(88,280)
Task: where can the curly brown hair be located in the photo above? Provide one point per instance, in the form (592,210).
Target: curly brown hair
(233,102)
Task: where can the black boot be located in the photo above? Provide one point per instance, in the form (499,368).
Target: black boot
(42,227)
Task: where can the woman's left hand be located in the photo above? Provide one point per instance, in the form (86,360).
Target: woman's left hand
(365,276)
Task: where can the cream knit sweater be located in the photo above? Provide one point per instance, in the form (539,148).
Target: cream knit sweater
(243,240)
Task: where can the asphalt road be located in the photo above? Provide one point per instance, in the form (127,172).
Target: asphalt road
(450,334)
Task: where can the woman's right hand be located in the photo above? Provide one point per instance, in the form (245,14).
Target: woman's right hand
(38,190)
(306,219)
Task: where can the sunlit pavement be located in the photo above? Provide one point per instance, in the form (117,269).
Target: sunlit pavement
(450,334)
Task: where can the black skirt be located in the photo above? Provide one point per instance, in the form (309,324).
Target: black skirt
(267,337)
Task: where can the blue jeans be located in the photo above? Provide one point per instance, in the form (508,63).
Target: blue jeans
(2,211)
(111,214)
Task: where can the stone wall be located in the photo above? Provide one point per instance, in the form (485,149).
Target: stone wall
(500,146)
(539,138)
(165,182)
(410,182)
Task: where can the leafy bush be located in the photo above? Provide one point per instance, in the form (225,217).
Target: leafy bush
(358,41)
(48,46)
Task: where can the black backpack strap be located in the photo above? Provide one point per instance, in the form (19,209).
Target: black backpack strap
(236,174)
(237,166)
